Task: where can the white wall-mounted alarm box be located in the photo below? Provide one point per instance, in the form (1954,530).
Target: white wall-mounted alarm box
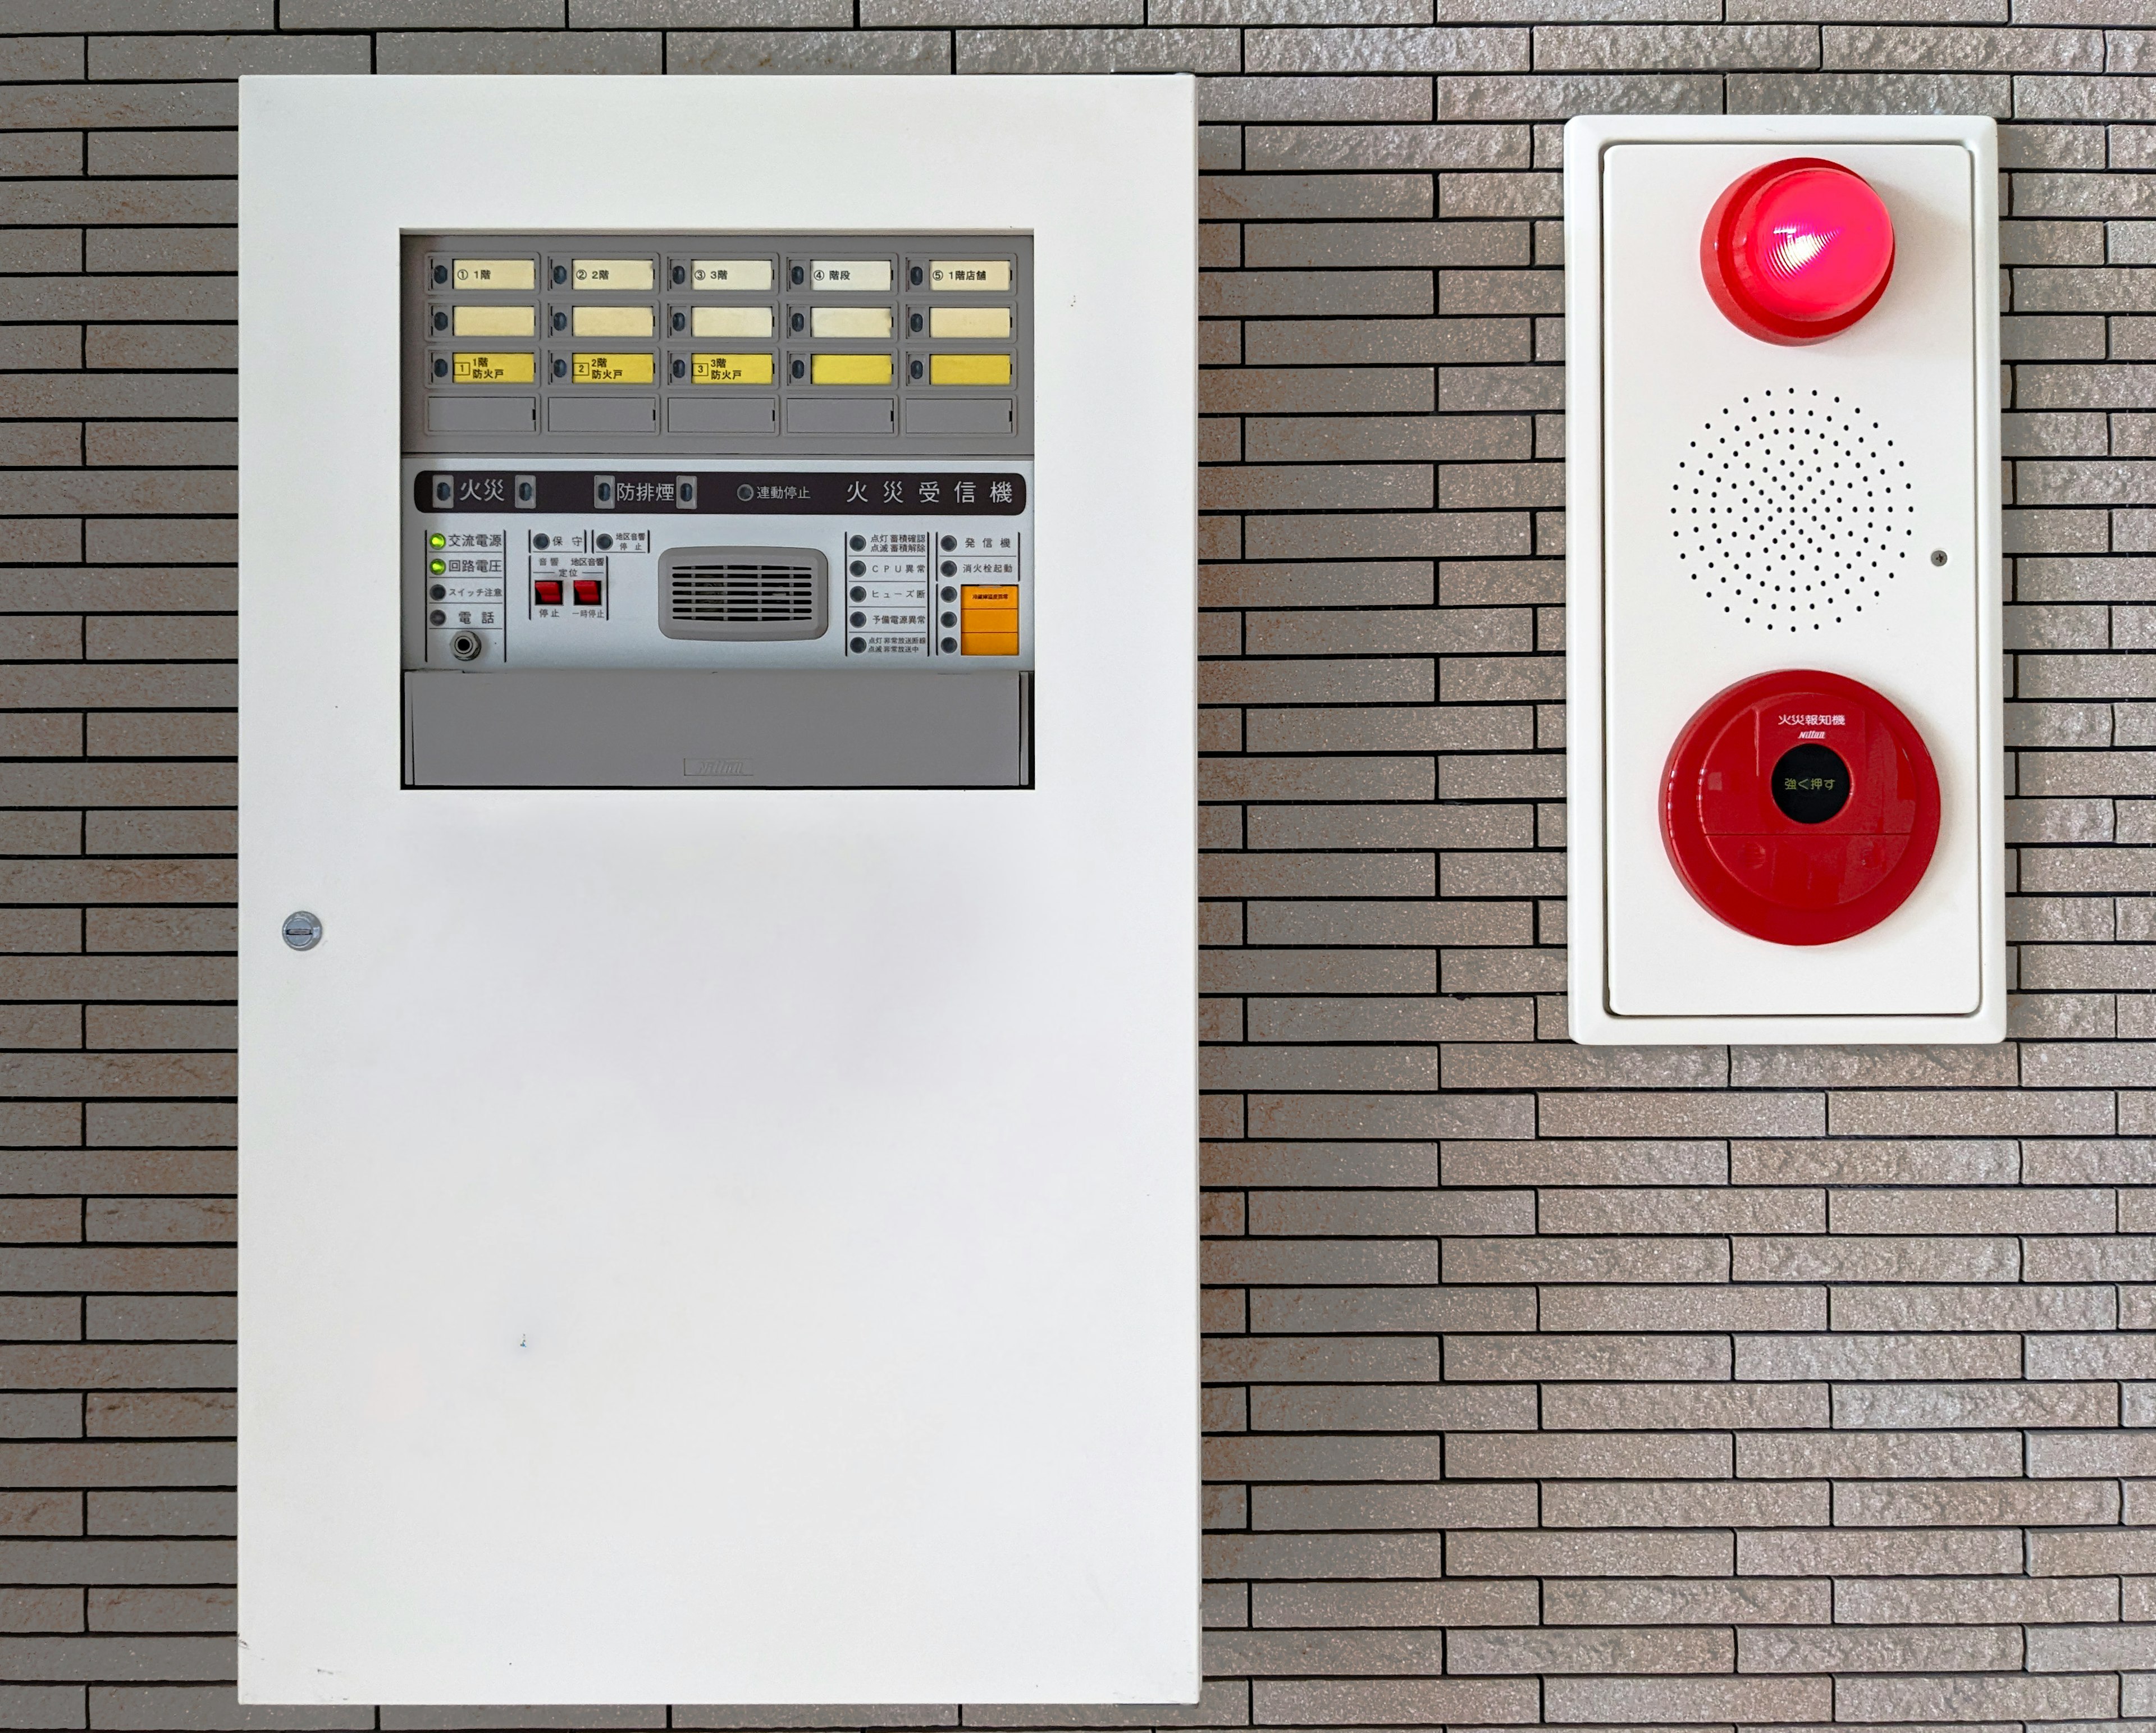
(718,1084)
(1785,760)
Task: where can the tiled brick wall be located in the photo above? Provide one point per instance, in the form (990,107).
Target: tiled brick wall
(1549,1384)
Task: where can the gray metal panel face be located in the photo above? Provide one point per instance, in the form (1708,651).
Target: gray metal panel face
(783,416)
(482,415)
(722,415)
(610,728)
(602,415)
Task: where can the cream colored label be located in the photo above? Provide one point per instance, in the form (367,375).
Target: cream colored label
(612,322)
(745,275)
(986,276)
(610,369)
(495,321)
(970,321)
(849,322)
(730,369)
(611,273)
(857,276)
(849,370)
(491,273)
(467,369)
(730,322)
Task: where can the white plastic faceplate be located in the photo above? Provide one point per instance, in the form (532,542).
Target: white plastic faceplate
(1885,436)
(718,1246)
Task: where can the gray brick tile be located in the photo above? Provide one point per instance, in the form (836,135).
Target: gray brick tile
(1970,1405)
(1817,1357)
(1659,1114)
(2049,242)
(1705,1307)
(1103,50)
(1558,96)
(1888,1649)
(1366,50)
(884,14)
(1674,1209)
(417,14)
(809,51)
(1846,93)
(1635,1406)
(1648,1700)
(1347,584)
(1993,1307)
(121,58)
(1978,1697)
(2051,147)
(2058,1600)
(1876,1456)
(1276,148)
(1237,198)
(1591,1553)
(1668,48)
(1962,48)
(1881,1552)
(1424,1605)
(1672,1650)
(1879,1258)
(1310,100)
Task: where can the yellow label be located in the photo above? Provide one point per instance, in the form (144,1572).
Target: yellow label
(986,276)
(990,598)
(969,370)
(849,369)
(494,321)
(730,322)
(970,321)
(610,369)
(744,275)
(857,276)
(730,369)
(467,369)
(611,273)
(491,273)
(849,322)
(612,322)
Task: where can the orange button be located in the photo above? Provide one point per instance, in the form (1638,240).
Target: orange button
(978,643)
(990,598)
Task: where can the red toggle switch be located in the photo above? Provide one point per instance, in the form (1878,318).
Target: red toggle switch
(1797,251)
(546,591)
(587,591)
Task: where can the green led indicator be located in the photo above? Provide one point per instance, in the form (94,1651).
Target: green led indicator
(437,566)
(438,541)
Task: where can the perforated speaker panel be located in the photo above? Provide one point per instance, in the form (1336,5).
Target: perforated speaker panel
(1791,511)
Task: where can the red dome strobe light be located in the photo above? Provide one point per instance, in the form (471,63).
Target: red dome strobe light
(1800,807)
(1798,250)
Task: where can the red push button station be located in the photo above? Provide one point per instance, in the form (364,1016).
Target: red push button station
(1798,250)
(1800,808)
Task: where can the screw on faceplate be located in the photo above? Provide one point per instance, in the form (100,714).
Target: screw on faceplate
(1938,556)
(303,930)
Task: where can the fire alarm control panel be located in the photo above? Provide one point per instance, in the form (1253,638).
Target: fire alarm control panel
(717,509)
(1785,780)
(717,961)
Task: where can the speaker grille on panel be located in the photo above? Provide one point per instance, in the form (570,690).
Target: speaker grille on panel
(1792,511)
(743,593)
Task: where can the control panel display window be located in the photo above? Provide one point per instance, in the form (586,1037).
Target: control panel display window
(718,511)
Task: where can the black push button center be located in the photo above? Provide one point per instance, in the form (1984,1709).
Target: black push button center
(1811,784)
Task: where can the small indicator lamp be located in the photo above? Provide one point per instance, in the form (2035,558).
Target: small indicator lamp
(438,540)
(1798,250)
(437,566)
